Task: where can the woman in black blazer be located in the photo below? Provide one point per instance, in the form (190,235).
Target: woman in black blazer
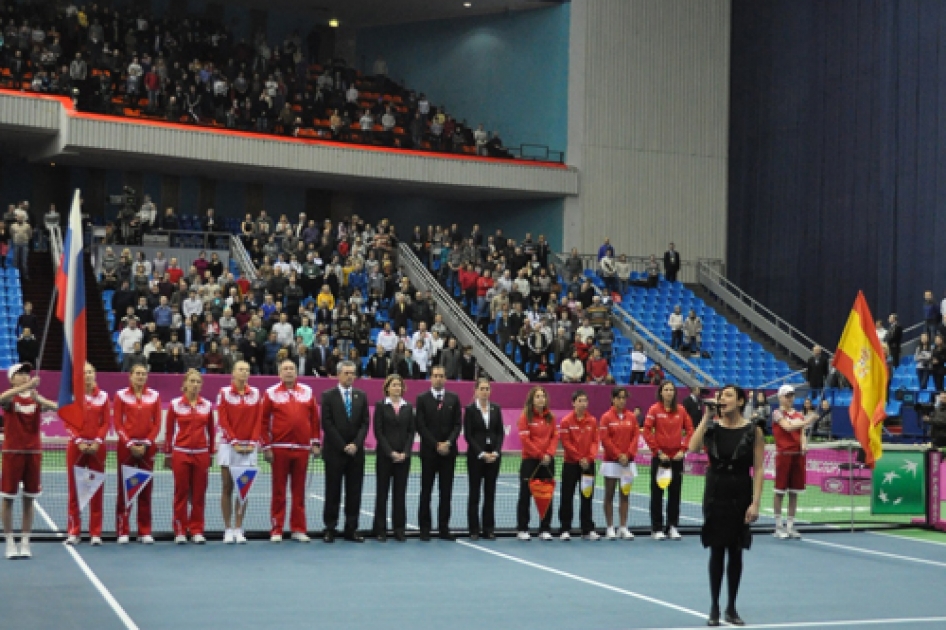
(484,433)
(394,432)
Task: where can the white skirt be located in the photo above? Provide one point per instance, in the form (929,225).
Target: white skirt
(614,470)
(227,456)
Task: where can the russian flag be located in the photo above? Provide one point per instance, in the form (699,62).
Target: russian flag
(70,309)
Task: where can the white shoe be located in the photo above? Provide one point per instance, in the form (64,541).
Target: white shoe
(72,540)
(625,534)
(275,538)
(147,539)
(610,534)
(565,537)
(25,549)
(96,541)
(300,537)
(794,534)
(198,539)
(674,534)
(123,540)
(228,537)
(13,551)
(180,540)
(592,535)
(545,536)
(523,536)
(240,537)
(780,533)
(658,536)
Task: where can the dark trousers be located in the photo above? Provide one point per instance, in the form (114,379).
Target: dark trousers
(571,476)
(923,377)
(341,468)
(673,496)
(391,478)
(524,505)
(483,477)
(938,374)
(676,339)
(431,467)
(894,350)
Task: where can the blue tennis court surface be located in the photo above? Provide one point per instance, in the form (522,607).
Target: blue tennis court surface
(826,580)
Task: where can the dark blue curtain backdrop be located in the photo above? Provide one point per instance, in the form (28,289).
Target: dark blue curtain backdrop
(837,168)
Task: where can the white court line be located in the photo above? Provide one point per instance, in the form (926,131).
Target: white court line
(910,538)
(96,582)
(578,578)
(824,624)
(872,552)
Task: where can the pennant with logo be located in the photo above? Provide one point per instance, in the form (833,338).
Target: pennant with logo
(587,486)
(134,481)
(627,478)
(664,477)
(243,478)
(88,482)
(542,492)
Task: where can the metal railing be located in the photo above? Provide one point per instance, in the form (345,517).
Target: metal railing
(763,319)
(242,257)
(654,347)
(912,335)
(493,360)
(639,264)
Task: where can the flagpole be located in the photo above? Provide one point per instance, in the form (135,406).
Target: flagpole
(49,314)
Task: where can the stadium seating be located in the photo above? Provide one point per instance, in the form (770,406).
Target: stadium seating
(11,306)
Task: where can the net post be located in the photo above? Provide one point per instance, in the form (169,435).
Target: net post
(933,460)
(851,458)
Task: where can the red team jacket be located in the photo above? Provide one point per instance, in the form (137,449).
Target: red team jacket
(579,438)
(290,417)
(137,421)
(619,435)
(239,415)
(664,431)
(189,428)
(539,437)
(96,422)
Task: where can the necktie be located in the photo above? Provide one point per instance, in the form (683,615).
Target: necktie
(348,402)
(439,402)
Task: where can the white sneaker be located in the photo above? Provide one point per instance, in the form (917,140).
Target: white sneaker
(96,541)
(72,540)
(123,540)
(592,536)
(240,537)
(147,539)
(275,538)
(523,536)
(780,533)
(545,536)
(610,534)
(228,537)
(300,537)
(674,534)
(565,537)
(794,534)
(180,540)
(25,549)
(658,536)
(198,539)
(625,534)
(13,551)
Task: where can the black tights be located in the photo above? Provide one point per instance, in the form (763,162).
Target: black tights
(734,574)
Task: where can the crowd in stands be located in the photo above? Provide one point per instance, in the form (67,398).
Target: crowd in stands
(188,69)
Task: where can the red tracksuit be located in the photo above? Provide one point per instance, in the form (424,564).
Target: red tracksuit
(579,438)
(290,429)
(238,414)
(138,422)
(189,439)
(666,432)
(96,422)
(619,435)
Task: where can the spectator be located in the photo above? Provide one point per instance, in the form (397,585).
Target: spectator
(675,322)
(597,368)
(468,371)
(930,313)
(894,339)
(638,364)
(175,364)
(157,357)
(129,337)
(135,356)
(27,347)
(922,357)
(655,375)
(21,234)
(817,370)
(573,371)
(938,362)
(213,359)
(27,319)
(671,263)
(598,313)
(607,270)
(193,360)
(692,332)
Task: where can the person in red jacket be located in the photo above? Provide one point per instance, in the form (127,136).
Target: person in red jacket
(596,370)
(137,422)
(539,437)
(291,432)
(483,284)
(238,413)
(619,434)
(87,449)
(468,278)
(579,434)
(189,443)
(667,431)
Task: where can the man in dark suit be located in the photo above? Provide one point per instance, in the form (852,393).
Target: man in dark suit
(302,357)
(671,263)
(400,313)
(894,339)
(694,404)
(345,424)
(817,370)
(484,433)
(321,354)
(439,424)
(379,365)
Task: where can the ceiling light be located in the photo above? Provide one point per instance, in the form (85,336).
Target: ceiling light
(333,23)
(468,4)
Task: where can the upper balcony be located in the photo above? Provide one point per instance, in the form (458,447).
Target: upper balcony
(48,128)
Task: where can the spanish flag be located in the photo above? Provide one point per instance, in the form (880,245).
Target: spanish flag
(860,358)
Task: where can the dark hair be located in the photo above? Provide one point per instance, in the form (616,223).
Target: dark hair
(617,391)
(578,393)
(740,394)
(673,403)
(529,409)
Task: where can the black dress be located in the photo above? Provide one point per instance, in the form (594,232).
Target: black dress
(728,491)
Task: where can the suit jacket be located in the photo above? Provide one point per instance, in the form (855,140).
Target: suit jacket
(339,429)
(310,364)
(379,366)
(438,422)
(694,409)
(479,438)
(400,314)
(394,431)
(672,261)
(894,336)
(317,364)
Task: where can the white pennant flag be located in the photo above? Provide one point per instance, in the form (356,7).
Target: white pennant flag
(88,482)
(134,480)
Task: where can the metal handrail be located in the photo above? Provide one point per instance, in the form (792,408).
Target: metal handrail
(764,319)
(783,378)
(499,367)
(909,346)
(55,250)
(688,268)
(238,252)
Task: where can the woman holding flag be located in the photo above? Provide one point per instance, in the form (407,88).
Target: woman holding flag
(579,433)
(239,408)
(137,422)
(539,437)
(667,431)
(189,443)
(85,461)
(619,434)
